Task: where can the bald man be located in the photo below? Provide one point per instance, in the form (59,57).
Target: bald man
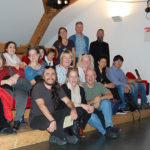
(100,97)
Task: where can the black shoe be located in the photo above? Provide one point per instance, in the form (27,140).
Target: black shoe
(111,133)
(72,139)
(16,125)
(117,130)
(7,131)
(57,140)
(145,106)
(123,111)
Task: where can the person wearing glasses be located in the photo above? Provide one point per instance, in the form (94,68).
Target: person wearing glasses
(34,70)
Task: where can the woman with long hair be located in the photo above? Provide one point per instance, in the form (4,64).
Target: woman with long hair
(63,43)
(11,58)
(101,77)
(77,95)
(85,62)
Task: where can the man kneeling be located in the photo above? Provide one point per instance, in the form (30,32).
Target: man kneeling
(43,116)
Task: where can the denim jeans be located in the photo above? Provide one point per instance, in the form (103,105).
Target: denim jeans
(105,107)
(142,88)
(121,94)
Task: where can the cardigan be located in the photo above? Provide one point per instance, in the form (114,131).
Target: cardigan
(67,91)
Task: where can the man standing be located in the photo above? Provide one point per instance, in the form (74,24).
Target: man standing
(100,97)
(80,40)
(124,85)
(44,116)
(99,48)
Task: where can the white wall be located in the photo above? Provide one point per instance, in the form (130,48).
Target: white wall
(18,19)
(125,38)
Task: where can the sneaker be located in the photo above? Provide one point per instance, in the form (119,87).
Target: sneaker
(72,139)
(111,133)
(121,111)
(82,135)
(16,125)
(57,140)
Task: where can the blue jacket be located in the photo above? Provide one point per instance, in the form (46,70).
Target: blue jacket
(73,38)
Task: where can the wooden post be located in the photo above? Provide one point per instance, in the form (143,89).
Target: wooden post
(47,17)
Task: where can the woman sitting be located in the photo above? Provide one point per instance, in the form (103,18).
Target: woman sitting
(85,61)
(62,68)
(11,58)
(10,80)
(77,95)
(101,77)
(42,52)
(34,70)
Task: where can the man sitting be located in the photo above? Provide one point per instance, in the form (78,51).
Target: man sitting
(43,115)
(116,75)
(100,97)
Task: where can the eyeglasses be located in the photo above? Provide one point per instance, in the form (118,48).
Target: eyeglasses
(32,55)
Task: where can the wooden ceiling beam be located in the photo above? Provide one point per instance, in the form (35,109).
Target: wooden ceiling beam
(49,14)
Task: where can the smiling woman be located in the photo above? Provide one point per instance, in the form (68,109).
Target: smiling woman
(62,68)
(11,58)
(34,70)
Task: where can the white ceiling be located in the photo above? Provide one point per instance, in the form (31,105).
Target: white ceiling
(18,19)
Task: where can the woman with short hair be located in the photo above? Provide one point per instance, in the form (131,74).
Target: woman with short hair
(34,70)
(62,68)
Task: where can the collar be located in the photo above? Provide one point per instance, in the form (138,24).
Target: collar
(47,60)
(114,67)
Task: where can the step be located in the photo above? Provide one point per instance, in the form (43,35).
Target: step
(27,136)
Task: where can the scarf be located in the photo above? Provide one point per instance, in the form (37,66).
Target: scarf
(75,94)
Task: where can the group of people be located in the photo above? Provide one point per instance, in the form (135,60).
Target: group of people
(70,85)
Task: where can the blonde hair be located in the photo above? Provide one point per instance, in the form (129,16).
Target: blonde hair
(79,64)
(66,52)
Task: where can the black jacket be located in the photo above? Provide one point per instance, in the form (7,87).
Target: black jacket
(68,93)
(99,49)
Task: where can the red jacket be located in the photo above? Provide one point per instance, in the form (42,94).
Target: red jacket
(7,102)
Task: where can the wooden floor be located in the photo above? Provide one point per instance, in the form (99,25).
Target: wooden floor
(135,135)
(27,136)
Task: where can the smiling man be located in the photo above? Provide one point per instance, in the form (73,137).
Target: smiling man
(43,116)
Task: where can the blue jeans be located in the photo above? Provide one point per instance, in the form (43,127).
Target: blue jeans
(105,107)
(142,88)
(121,94)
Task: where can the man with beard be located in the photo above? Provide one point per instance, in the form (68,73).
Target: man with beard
(44,116)
(99,48)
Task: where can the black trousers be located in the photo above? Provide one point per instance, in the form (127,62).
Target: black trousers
(42,123)
(3,122)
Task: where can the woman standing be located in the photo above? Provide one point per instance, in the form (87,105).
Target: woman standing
(63,44)
(34,70)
